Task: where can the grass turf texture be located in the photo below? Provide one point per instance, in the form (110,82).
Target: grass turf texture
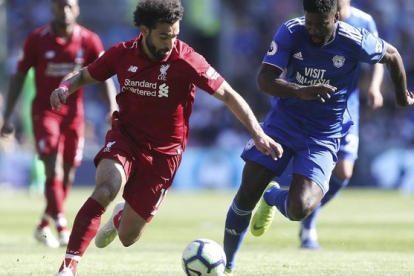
(363,232)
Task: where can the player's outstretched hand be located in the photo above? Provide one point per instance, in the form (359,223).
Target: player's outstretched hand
(58,97)
(7,129)
(407,101)
(268,146)
(318,92)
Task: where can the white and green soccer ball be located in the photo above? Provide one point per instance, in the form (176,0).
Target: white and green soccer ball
(203,257)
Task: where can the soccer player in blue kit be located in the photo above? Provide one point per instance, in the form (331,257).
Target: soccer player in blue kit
(308,116)
(348,150)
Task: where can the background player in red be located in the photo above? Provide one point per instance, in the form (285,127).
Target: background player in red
(55,50)
(157,74)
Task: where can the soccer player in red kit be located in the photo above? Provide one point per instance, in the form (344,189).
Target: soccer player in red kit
(157,74)
(55,50)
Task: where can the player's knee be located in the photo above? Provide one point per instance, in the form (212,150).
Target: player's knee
(105,194)
(126,242)
(297,214)
(300,209)
(128,239)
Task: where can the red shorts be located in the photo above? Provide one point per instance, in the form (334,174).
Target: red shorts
(149,173)
(56,134)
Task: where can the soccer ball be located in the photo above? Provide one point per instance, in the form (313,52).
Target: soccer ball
(203,257)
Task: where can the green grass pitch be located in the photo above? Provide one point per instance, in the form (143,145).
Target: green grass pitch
(362,232)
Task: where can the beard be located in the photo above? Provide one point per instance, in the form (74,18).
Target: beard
(320,41)
(63,22)
(158,54)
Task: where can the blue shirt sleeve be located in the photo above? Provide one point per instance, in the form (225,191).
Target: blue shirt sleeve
(373,48)
(280,48)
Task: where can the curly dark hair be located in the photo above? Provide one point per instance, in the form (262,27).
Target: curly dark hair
(320,6)
(151,12)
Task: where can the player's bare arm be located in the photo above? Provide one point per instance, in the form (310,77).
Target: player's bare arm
(243,112)
(270,82)
(14,92)
(395,66)
(374,95)
(70,84)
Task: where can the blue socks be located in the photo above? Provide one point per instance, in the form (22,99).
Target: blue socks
(279,198)
(238,219)
(237,223)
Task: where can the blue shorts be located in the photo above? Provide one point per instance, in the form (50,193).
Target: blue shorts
(312,158)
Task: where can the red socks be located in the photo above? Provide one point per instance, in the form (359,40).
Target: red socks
(54,197)
(85,227)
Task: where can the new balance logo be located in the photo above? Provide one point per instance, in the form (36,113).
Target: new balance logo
(132,68)
(298,56)
(163,92)
(108,146)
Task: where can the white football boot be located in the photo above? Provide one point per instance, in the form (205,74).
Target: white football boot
(108,232)
(45,236)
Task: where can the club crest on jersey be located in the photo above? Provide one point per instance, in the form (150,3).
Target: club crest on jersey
(50,54)
(163,72)
(272,49)
(338,61)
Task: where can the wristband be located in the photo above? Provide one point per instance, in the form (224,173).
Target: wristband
(66,86)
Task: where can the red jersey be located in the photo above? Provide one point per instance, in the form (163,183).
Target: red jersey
(53,58)
(156,97)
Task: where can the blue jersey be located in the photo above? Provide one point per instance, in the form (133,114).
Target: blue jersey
(335,63)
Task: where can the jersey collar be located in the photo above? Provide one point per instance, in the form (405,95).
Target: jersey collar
(75,34)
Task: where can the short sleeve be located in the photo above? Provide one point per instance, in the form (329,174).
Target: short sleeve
(204,76)
(104,67)
(280,48)
(372,49)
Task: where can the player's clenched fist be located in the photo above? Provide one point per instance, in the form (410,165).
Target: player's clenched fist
(405,99)
(59,96)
